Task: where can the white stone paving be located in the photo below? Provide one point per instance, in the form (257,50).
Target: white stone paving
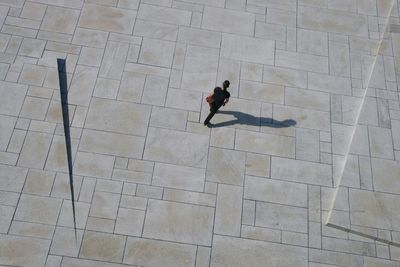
(300,168)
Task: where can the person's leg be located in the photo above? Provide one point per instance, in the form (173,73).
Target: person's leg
(213,110)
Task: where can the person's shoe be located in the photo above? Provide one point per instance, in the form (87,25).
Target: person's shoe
(206,124)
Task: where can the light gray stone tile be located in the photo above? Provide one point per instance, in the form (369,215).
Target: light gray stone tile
(285,76)
(64,242)
(62,188)
(6,217)
(175,147)
(275,191)
(155,90)
(146,252)
(36,144)
(117,116)
(195,198)
(312,42)
(185,223)
(132,176)
(38,209)
(23,251)
(301,61)
(129,222)
(329,84)
(148,191)
(131,88)
(231,21)
(312,119)
(32,230)
(168,118)
(91,56)
(60,20)
(82,84)
(156,30)
(339,59)
(270,31)
(100,225)
(103,247)
(66,214)
(260,233)
(32,48)
(260,91)
(33,11)
(6,131)
(90,38)
(114,59)
(107,18)
(229,251)
(384,174)
(164,15)
(106,88)
(223,137)
(39,182)
(281,217)
(32,75)
(199,37)
(132,202)
(226,166)
(109,186)
(251,71)
(186,178)
(265,143)
(247,49)
(57,157)
(105,205)
(94,165)
(332,21)
(307,99)
(301,171)
(258,165)
(381,144)
(34,108)
(12,178)
(184,99)
(227,215)
(307,144)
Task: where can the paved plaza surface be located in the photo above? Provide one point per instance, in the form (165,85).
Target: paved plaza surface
(300,168)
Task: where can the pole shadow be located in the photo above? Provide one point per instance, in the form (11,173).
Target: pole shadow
(62,76)
(247,119)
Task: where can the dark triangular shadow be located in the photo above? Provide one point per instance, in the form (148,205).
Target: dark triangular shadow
(62,76)
(247,119)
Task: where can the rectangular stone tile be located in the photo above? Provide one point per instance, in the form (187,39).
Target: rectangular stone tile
(82,85)
(91,56)
(35,149)
(179,222)
(380,142)
(131,87)
(312,119)
(270,31)
(145,252)
(281,217)
(34,108)
(168,118)
(231,21)
(39,182)
(385,175)
(230,251)
(23,251)
(90,38)
(260,91)
(6,217)
(38,209)
(94,165)
(117,116)
(184,99)
(228,214)
(60,19)
(32,230)
(339,59)
(108,19)
(265,143)
(81,214)
(103,247)
(175,147)
(132,176)
(188,197)
(114,59)
(308,99)
(373,209)
(332,21)
(12,98)
(155,90)
(105,205)
(348,246)
(65,242)
(329,84)
(247,49)
(57,157)
(6,131)
(62,188)
(155,30)
(226,166)
(312,42)
(12,178)
(129,222)
(112,144)
(132,202)
(187,178)
(199,37)
(335,258)
(32,75)
(307,144)
(148,191)
(100,225)
(285,76)
(301,61)
(301,171)
(275,191)
(32,48)
(156,52)
(164,15)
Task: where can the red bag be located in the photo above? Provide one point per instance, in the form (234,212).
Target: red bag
(210,99)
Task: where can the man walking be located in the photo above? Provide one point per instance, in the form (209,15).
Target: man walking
(219,98)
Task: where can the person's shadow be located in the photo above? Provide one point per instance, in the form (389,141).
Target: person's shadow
(247,119)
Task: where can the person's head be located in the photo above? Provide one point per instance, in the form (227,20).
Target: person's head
(225,84)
